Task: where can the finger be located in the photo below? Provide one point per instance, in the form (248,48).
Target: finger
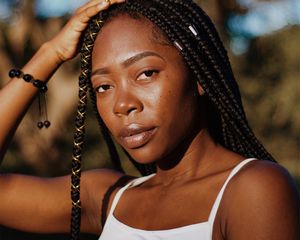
(96,2)
(88,4)
(95,7)
(91,11)
(117,1)
(80,20)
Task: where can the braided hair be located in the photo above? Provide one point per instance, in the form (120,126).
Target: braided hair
(186,25)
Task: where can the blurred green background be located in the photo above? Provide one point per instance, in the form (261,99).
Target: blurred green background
(263,41)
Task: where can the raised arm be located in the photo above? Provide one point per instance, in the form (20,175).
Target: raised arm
(17,95)
(31,203)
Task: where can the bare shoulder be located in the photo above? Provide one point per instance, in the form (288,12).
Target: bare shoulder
(262,201)
(264,177)
(96,182)
(94,185)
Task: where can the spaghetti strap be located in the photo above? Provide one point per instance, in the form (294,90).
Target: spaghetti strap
(132,183)
(217,202)
(122,181)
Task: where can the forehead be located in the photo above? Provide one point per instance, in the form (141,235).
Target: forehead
(125,35)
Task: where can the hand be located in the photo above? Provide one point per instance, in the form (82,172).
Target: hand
(65,43)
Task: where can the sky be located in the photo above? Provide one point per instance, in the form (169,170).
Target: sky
(262,18)
(56,8)
(44,8)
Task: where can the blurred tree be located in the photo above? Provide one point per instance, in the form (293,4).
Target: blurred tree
(268,77)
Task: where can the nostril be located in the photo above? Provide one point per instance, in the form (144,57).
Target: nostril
(127,105)
(131,110)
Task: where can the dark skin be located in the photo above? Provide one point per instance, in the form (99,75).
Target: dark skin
(153,93)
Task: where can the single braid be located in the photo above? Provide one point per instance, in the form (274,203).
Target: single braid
(89,37)
(76,160)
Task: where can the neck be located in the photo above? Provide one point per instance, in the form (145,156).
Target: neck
(188,161)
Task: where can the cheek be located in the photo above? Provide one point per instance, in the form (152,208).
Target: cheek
(176,102)
(182,109)
(176,109)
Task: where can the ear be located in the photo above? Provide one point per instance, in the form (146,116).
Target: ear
(200,89)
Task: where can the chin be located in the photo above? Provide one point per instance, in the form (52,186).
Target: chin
(143,156)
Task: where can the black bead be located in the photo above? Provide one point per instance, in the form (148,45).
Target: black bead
(27,77)
(40,85)
(40,125)
(37,83)
(18,73)
(15,73)
(47,124)
(43,88)
(12,73)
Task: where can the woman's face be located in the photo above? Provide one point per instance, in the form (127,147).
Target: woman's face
(143,92)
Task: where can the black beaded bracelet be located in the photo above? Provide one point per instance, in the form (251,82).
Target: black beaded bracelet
(28,78)
(41,86)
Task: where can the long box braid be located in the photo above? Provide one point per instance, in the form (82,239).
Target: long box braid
(184,23)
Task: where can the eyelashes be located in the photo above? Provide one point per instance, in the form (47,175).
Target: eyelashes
(147,75)
(103,88)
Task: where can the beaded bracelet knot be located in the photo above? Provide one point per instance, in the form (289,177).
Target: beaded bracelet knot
(41,86)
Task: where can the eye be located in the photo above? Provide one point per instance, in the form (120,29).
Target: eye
(147,74)
(103,88)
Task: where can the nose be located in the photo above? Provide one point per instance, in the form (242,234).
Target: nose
(126,103)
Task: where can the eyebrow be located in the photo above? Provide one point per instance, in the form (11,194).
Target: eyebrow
(127,62)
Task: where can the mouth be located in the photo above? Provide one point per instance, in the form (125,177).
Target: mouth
(135,136)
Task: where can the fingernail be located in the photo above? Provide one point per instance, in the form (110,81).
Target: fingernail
(104,3)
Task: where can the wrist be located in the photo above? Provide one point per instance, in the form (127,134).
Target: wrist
(44,63)
(49,49)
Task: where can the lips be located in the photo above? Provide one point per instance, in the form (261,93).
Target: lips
(135,136)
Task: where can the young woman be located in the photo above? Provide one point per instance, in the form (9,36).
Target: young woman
(163,88)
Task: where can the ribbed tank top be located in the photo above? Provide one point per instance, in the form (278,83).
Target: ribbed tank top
(116,230)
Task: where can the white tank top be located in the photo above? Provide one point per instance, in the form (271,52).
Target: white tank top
(116,230)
